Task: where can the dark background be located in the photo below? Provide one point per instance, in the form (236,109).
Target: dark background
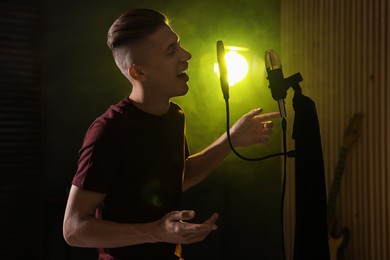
(58,75)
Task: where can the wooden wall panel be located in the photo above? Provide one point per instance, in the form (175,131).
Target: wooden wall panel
(341,49)
(20,130)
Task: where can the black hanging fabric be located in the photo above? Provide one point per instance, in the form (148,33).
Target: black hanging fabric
(311,236)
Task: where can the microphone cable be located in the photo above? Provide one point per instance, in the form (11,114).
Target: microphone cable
(289,154)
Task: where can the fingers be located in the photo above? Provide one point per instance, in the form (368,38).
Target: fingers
(206,226)
(181,215)
(267,116)
(267,127)
(197,232)
(253,128)
(268,124)
(270,116)
(179,231)
(187,214)
(263,126)
(212,219)
(254,112)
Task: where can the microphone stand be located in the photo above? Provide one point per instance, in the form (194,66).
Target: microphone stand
(303,246)
(311,234)
(292,81)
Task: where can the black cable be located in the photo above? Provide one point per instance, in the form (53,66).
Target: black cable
(284,130)
(285,155)
(289,153)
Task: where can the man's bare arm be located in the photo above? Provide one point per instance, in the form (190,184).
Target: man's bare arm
(82,229)
(252,128)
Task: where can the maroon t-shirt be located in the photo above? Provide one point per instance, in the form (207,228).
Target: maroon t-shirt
(137,159)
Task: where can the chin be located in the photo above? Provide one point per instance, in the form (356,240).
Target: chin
(183,91)
(186,90)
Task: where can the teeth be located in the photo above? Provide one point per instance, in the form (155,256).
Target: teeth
(182,72)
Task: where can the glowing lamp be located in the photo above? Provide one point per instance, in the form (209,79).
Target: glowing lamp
(237,67)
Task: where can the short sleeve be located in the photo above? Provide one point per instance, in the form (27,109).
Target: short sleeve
(98,159)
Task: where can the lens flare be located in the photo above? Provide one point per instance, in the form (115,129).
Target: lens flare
(237,67)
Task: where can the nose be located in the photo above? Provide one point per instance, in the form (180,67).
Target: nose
(186,55)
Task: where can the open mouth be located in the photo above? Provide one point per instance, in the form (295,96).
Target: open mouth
(183,74)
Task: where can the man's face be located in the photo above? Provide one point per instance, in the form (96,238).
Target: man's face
(165,64)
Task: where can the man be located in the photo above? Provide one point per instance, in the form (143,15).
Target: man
(134,163)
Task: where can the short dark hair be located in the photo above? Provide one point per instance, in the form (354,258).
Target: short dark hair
(134,25)
(127,32)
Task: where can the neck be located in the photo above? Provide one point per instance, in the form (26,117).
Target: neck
(149,104)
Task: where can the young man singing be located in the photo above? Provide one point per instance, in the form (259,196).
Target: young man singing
(134,162)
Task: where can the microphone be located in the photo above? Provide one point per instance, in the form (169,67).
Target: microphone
(277,83)
(223,75)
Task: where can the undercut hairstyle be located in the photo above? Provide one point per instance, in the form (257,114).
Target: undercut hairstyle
(128,30)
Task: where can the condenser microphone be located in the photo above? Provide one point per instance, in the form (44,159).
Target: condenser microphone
(223,75)
(277,82)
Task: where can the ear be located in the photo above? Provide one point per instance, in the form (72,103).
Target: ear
(136,72)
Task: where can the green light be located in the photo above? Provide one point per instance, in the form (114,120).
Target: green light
(237,67)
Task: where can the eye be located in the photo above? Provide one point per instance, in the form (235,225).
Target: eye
(172,52)
(173,49)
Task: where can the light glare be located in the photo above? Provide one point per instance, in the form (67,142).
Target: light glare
(236,65)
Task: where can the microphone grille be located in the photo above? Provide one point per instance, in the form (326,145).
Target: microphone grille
(272,60)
